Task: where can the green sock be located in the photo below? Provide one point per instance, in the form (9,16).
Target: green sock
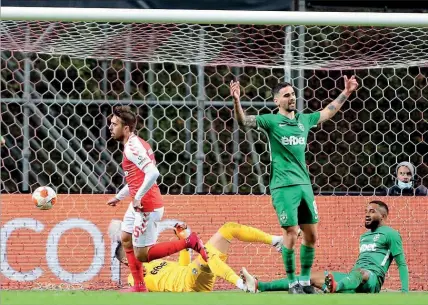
(289,260)
(307,255)
(278,285)
(351,282)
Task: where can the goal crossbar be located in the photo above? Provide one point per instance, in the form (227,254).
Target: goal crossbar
(213,17)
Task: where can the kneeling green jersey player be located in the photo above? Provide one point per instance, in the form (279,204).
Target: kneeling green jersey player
(290,185)
(379,246)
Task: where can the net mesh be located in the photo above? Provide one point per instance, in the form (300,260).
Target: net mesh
(63,103)
(325,47)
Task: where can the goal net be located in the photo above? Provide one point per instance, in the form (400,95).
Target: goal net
(61,79)
(269,46)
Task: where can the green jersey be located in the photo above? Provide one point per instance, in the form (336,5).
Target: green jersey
(287,143)
(377,250)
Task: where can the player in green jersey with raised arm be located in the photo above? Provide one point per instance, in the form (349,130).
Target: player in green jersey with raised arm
(290,186)
(379,246)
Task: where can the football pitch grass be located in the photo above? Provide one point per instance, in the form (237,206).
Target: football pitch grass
(213,298)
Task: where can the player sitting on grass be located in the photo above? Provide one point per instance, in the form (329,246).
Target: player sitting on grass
(199,276)
(378,247)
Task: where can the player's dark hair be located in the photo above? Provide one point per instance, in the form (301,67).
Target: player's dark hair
(278,87)
(127,116)
(382,204)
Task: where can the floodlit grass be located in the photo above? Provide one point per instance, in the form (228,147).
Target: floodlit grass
(214,298)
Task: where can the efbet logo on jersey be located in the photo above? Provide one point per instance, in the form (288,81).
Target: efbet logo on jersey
(367,248)
(156,269)
(292,140)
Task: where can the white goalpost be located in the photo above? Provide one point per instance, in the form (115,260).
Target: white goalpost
(335,40)
(214,17)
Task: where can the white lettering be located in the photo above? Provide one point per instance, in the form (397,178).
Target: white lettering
(368,247)
(52,250)
(292,140)
(6,231)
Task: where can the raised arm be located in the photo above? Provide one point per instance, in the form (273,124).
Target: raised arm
(243,120)
(328,112)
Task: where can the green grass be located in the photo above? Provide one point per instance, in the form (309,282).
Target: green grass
(214,298)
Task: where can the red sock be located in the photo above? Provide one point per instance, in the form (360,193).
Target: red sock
(164,249)
(135,266)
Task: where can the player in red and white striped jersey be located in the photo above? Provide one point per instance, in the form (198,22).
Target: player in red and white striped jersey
(139,226)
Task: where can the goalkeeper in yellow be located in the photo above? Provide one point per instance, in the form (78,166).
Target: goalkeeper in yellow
(198,275)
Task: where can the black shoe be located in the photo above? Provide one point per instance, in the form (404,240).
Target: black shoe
(296,289)
(309,290)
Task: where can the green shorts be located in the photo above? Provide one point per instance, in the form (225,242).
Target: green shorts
(295,205)
(371,286)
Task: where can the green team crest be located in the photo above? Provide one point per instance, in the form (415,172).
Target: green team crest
(283,216)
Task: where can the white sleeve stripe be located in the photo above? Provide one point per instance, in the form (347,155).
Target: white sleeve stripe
(385,258)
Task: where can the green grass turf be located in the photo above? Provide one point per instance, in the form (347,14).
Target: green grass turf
(214,298)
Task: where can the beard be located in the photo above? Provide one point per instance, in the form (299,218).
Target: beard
(372,225)
(291,108)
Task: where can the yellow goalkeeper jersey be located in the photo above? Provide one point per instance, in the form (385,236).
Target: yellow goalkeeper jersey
(162,275)
(169,276)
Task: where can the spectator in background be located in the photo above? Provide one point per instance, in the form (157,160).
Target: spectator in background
(405,174)
(2,141)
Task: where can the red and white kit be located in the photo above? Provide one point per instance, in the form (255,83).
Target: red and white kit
(139,165)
